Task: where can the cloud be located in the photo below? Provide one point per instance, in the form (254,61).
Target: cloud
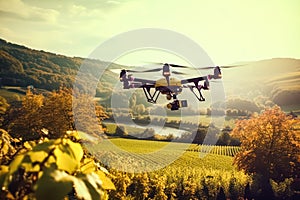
(19,10)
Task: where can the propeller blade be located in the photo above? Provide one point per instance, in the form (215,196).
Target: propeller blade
(203,68)
(153,70)
(222,67)
(231,66)
(135,71)
(172,65)
(179,73)
(179,66)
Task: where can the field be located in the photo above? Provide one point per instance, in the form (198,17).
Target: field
(184,171)
(187,155)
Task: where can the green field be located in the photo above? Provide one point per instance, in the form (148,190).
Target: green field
(187,168)
(207,156)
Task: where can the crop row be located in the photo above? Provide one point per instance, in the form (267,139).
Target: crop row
(215,149)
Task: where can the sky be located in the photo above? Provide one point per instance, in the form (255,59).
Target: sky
(229,31)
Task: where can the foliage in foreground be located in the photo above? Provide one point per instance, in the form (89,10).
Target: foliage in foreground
(50,169)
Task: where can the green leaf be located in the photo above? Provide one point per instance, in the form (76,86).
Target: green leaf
(81,189)
(45,146)
(64,161)
(37,156)
(72,149)
(3,172)
(90,183)
(27,145)
(53,184)
(4,149)
(32,159)
(77,151)
(29,167)
(15,164)
(94,180)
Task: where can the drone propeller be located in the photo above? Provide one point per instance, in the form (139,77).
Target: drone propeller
(172,65)
(119,69)
(154,70)
(179,73)
(222,67)
(132,71)
(199,68)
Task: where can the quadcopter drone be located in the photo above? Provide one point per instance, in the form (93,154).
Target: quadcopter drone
(170,86)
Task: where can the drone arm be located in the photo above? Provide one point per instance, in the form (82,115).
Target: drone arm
(193,80)
(137,83)
(143,81)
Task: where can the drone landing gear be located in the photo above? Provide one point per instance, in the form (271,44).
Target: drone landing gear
(152,98)
(199,95)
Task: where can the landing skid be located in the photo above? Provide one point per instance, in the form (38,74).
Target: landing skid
(199,95)
(152,98)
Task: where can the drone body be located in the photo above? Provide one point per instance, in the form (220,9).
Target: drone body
(169,86)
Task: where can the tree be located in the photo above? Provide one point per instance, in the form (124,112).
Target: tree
(199,135)
(140,109)
(268,147)
(87,115)
(121,131)
(26,120)
(56,114)
(148,133)
(132,101)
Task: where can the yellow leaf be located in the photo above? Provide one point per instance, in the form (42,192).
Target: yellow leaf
(87,166)
(107,184)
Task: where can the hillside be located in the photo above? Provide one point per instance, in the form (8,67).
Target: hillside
(276,80)
(22,66)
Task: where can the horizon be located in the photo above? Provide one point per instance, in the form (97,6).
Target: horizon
(74,56)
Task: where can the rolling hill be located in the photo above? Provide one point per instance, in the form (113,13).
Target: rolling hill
(276,79)
(22,66)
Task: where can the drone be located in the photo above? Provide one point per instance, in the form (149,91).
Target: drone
(170,86)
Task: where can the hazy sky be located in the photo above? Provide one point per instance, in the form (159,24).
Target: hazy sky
(229,31)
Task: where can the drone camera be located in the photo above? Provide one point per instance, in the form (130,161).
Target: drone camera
(183,103)
(176,104)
